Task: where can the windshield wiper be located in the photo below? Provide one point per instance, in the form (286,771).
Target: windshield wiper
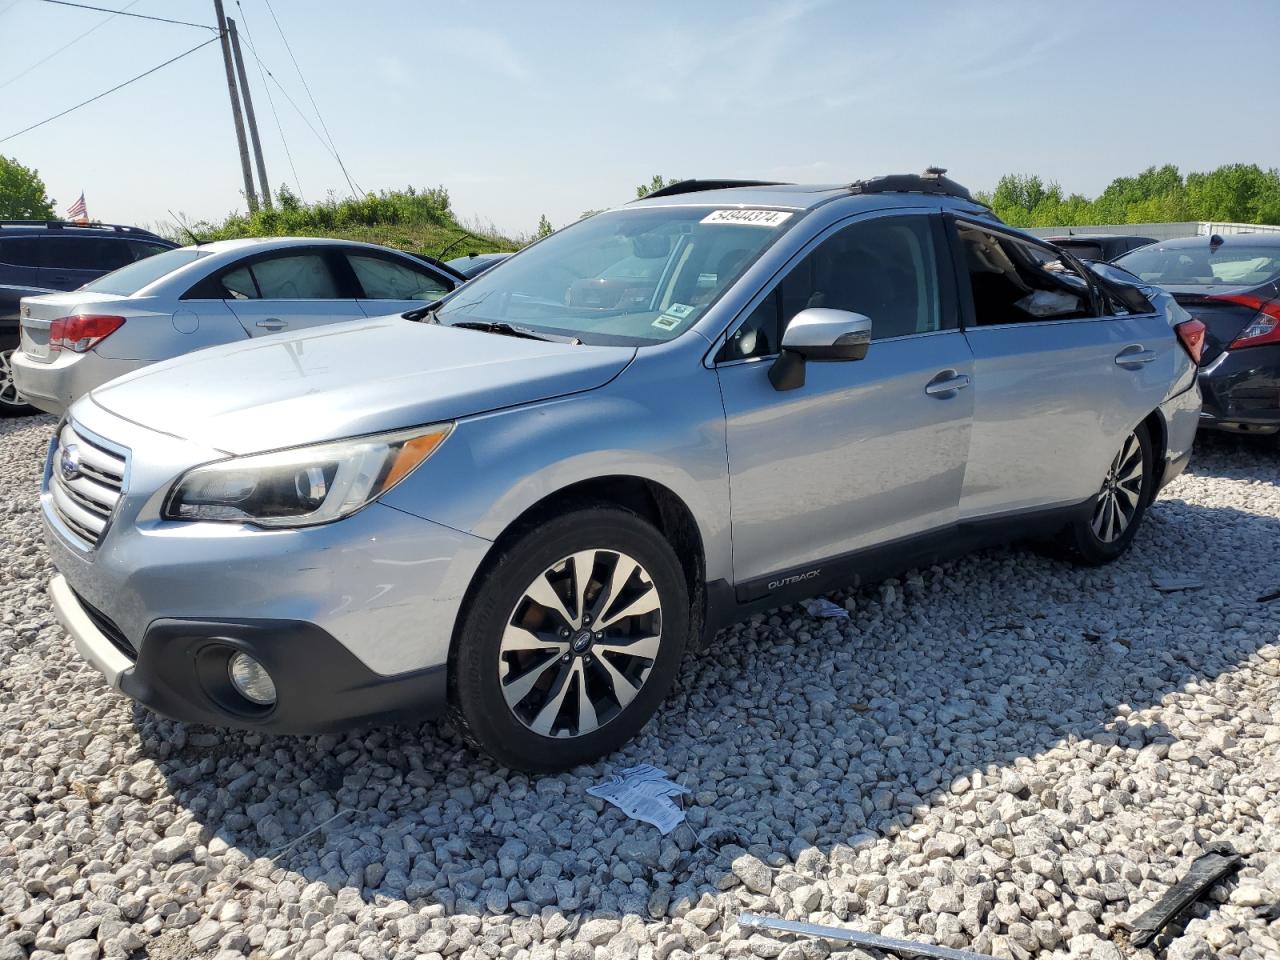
(425,313)
(510,330)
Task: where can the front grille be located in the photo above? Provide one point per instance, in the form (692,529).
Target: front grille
(86,482)
(107,627)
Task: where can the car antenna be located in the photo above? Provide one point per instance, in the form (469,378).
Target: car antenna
(453,243)
(185,229)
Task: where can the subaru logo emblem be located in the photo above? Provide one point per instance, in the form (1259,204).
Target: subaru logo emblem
(69,462)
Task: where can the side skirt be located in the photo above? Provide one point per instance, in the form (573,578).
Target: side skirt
(728,603)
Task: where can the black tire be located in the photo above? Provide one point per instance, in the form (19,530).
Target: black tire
(478,703)
(1081,539)
(9,405)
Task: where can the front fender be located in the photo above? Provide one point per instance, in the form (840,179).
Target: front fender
(665,429)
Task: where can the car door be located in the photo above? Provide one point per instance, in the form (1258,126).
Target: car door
(864,452)
(1061,374)
(393,284)
(289,289)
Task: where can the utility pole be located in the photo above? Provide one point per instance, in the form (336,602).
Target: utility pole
(248,114)
(250,196)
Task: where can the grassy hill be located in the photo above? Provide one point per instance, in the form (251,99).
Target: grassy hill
(420,221)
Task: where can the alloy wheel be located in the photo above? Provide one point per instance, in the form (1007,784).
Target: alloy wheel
(9,395)
(1121,492)
(580,643)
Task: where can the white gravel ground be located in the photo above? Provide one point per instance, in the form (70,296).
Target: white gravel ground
(1005,754)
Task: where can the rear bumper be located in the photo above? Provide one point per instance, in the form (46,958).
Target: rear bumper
(53,387)
(180,670)
(1241,391)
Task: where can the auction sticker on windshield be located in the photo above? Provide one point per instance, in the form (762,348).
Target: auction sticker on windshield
(755,218)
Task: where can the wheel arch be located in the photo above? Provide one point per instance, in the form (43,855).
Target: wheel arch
(649,499)
(1158,431)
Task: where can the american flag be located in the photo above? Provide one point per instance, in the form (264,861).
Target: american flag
(78,211)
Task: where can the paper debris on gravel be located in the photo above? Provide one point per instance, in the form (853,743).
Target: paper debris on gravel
(644,793)
(822,607)
(1167,582)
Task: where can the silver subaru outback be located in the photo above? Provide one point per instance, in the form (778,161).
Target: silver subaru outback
(525,502)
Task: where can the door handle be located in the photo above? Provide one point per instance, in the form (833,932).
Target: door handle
(1134,356)
(272,323)
(946,384)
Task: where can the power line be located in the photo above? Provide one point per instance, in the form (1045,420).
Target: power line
(140,16)
(118,86)
(262,72)
(293,103)
(307,88)
(77,39)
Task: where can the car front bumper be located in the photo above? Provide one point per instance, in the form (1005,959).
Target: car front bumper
(1241,391)
(352,619)
(54,386)
(180,670)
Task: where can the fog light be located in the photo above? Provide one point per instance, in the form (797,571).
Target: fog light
(251,680)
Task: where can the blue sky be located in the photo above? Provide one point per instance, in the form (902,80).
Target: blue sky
(521,109)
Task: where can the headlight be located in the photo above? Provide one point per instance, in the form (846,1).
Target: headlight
(305,485)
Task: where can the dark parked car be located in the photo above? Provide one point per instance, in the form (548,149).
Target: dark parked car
(474,264)
(1232,285)
(44,256)
(1099,246)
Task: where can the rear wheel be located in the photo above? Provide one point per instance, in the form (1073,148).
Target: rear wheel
(1104,531)
(12,403)
(571,642)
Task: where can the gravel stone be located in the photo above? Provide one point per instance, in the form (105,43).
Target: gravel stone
(1004,754)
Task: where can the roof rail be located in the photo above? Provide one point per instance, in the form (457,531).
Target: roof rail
(931,181)
(63,224)
(696,186)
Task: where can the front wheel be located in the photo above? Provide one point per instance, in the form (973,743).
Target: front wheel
(12,403)
(1106,528)
(572,640)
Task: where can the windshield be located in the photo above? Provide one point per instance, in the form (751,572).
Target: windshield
(1228,265)
(129,280)
(635,277)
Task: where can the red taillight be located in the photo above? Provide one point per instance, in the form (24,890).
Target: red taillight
(81,333)
(1191,334)
(1262,329)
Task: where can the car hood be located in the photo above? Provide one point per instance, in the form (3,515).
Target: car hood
(349,379)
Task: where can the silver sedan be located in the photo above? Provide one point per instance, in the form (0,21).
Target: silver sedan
(199,296)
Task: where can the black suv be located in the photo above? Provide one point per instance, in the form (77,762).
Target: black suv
(39,256)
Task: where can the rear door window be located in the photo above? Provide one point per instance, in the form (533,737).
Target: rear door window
(1016,281)
(295,276)
(72,253)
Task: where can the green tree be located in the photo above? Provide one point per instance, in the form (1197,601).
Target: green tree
(1242,193)
(286,198)
(22,193)
(657,183)
(545,229)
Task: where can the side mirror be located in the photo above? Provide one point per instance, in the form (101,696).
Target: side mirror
(819,333)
